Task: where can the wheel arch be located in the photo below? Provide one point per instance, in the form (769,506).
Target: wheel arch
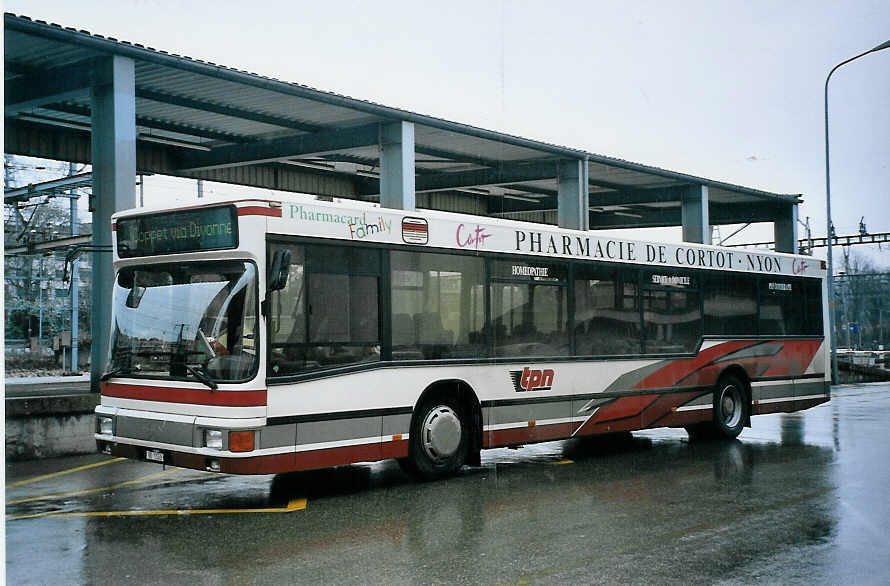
(469,402)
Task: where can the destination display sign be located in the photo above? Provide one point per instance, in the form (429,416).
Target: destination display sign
(174,232)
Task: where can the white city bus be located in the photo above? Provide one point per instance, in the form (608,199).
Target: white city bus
(257,337)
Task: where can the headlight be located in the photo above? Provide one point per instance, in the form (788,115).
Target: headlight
(213,438)
(106,426)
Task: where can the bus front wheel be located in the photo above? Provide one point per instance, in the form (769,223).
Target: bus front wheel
(439,438)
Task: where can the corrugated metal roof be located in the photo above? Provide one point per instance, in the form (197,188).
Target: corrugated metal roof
(210,105)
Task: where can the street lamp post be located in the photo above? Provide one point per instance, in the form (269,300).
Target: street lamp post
(880,47)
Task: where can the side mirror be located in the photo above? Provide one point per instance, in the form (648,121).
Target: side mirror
(279,270)
(135,296)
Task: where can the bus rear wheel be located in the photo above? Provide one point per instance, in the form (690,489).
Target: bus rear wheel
(439,438)
(730,407)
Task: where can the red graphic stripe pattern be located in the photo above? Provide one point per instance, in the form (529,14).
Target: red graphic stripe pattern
(191,396)
(259,211)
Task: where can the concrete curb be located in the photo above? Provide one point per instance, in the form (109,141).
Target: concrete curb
(44,427)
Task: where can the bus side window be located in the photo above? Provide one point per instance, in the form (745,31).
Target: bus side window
(607,316)
(287,316)
(730,303)
(780,306)
(437,306)
(671,312)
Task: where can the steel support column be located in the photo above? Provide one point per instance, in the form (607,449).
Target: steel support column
(785,231)
(114,185)
(397,189)
(694,215)
(573,196)
(75,282)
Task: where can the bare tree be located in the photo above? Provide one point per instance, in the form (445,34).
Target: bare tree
(863,303)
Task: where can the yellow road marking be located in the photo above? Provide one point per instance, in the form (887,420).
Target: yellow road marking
(294,505)
(564,461)
(63,472)
(91,490)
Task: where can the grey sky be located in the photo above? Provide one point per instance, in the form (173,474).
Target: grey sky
(726,90)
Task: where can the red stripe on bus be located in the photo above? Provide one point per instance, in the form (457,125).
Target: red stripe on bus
(272,464)
(314,459)
(191,396)
(664,407)
(259,211)
(522,435)
(793,359)
(682,369)
(623,408)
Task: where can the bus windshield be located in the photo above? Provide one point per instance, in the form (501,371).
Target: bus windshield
(187,320)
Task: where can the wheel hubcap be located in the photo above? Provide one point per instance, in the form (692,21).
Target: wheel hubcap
(441,433)
(730,406)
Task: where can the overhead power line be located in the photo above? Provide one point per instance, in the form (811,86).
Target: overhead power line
(808,243)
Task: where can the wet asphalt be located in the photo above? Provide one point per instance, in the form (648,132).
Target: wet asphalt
(800,498)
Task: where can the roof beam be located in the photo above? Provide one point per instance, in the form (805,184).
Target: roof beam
(280,149)
(450,157)
(719,214)
(615,198)
(456,157)
(498,174)
(638,196)
(234,112)
(504,173)
(26,92)
(156,124)
(531,189)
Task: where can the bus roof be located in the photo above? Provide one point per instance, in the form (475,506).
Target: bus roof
(433,229)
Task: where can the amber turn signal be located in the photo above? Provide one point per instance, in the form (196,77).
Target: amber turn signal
(240,441)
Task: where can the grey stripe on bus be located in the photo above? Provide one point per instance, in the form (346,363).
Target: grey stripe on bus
(321,431)
(819,375)
(396,424)
(810,388)
(772,392)
(276,436)
(155,430)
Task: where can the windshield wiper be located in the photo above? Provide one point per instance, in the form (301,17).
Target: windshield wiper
(201,376)
(113,372)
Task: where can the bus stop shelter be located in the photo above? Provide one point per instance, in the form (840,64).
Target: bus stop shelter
(127,109)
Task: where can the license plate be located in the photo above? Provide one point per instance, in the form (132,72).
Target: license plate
(154,456)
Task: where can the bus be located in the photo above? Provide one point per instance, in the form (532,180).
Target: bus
(261,336)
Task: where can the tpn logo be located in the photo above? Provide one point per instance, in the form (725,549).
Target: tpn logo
(530,379)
